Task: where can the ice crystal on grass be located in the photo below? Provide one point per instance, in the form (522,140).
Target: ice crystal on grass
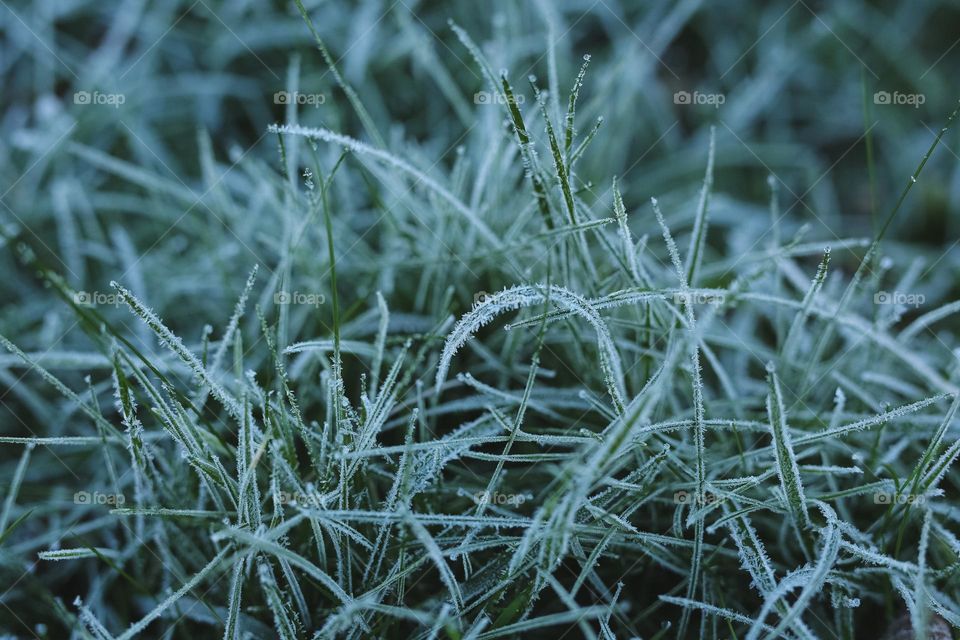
(788,469)
(427,368)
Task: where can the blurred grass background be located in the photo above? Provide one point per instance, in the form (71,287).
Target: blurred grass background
(793,76)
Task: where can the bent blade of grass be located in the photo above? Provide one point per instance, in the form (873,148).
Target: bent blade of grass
(525,296)
(419,177)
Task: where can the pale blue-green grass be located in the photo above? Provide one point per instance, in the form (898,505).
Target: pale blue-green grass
(488,335)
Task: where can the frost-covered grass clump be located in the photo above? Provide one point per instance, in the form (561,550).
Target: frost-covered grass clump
(473,376)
